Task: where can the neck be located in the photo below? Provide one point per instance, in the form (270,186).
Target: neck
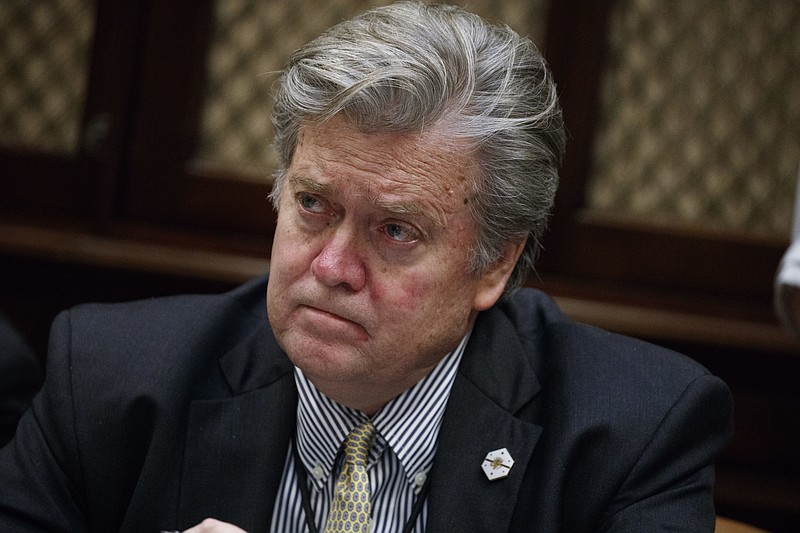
(369,397)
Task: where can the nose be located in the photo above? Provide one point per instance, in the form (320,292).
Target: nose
(339,261)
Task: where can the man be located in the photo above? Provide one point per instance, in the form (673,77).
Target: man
(419,150)
(21,376)
(787,278)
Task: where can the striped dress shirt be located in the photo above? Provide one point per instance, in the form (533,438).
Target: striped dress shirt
(400,458)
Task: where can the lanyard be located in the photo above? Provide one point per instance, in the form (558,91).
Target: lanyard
(302,480)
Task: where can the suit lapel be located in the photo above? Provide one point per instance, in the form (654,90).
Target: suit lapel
(233,466)
(495,382)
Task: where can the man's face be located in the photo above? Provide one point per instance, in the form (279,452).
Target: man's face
(369,284)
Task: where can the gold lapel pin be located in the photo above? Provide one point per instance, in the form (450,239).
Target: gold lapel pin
(497,464)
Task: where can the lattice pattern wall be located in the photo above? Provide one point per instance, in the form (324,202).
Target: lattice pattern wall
(252,41)
(44,57)
(700,114)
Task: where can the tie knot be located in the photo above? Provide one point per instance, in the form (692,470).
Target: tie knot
(357,444)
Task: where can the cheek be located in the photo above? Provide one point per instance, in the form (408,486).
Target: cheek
(291,250)
(422,293)
(413,293)
(400,292)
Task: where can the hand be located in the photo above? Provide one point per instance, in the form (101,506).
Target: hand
(209,525)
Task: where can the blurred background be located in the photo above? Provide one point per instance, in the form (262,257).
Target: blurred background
(135,162)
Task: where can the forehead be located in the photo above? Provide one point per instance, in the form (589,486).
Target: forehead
(335,157)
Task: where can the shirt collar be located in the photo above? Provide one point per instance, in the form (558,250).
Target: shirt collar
(409,424)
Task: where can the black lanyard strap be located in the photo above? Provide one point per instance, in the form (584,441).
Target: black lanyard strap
(302,480)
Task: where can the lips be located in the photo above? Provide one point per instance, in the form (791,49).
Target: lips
(330,314)
(326,321)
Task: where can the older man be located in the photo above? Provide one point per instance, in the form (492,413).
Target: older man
(21,376)
(393,379)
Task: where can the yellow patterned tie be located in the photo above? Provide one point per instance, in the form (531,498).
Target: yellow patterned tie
(350,506)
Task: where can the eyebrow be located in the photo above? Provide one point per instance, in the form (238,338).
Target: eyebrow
(396,208)
(403,208)
(302,182)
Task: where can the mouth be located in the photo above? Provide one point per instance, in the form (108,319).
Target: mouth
(328,322)
(325,312)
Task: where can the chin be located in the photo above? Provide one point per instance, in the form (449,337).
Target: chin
(317,358)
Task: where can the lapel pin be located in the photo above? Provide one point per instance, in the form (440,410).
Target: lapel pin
(497,464)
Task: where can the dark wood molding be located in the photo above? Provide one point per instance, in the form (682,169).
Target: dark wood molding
(101,251)
(37,183)
(164,130)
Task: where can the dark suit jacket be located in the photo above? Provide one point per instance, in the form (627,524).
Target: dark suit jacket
(157,414)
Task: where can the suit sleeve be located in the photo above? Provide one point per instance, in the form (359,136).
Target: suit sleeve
(40,468)
(670,488)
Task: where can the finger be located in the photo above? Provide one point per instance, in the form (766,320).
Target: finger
(211,525)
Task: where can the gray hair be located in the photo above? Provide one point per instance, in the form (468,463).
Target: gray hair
(409,66)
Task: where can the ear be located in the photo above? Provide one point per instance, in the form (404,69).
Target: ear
(492,282)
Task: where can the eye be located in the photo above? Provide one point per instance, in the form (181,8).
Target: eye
(311,203)
(400,232)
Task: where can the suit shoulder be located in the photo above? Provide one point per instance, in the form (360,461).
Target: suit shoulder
(177,308)
(164,320)
(593,359)
(160,336)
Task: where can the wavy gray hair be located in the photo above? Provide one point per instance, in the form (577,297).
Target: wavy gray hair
(408,66)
